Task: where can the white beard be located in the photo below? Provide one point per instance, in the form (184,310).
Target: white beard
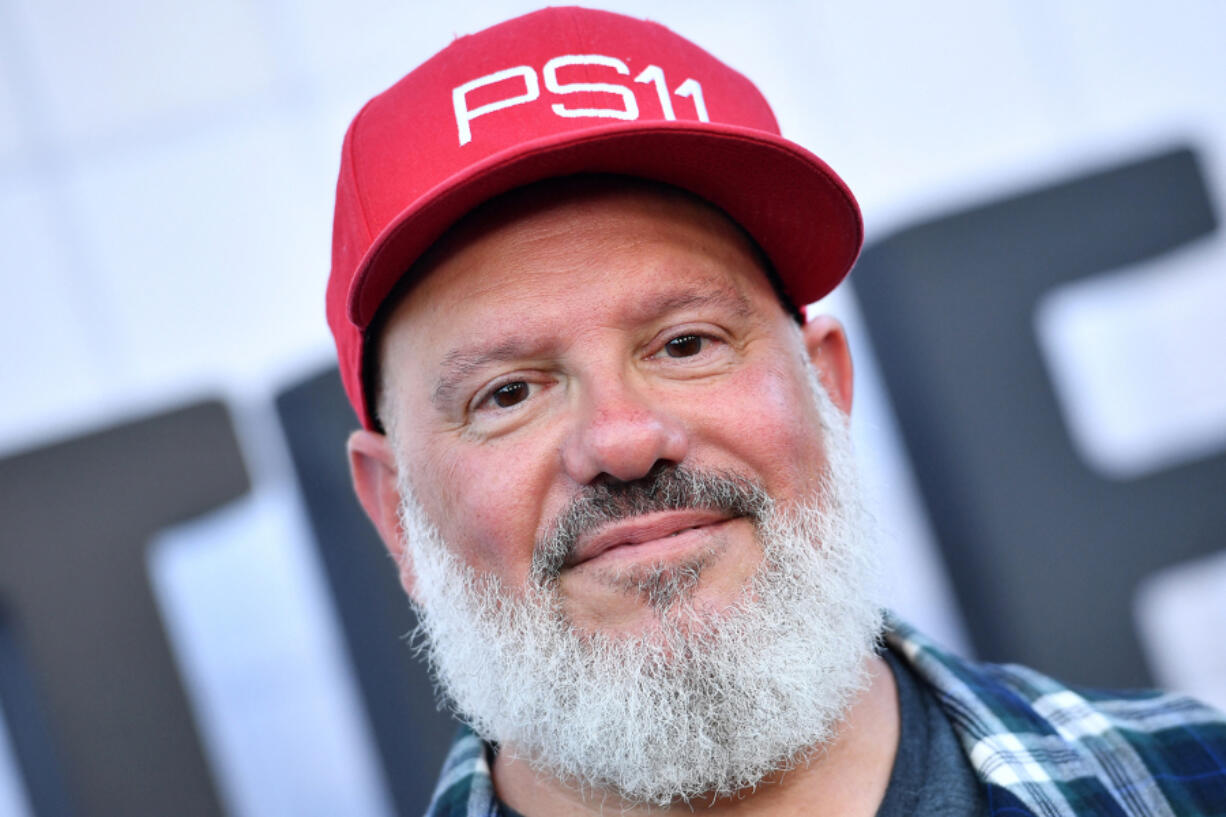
(705,704)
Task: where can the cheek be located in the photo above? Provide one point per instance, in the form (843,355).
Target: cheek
(776,429)
(488,501)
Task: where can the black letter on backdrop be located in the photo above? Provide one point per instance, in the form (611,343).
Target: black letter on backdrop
(86,674)
(1045,554)
(412,734)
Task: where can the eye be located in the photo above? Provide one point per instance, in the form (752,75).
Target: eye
(509,394)
(684,346)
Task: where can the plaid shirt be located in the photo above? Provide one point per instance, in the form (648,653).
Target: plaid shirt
(1039,747)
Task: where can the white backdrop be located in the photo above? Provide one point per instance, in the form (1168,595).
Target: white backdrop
(166,179)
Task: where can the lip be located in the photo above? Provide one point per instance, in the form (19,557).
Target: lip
(662,528)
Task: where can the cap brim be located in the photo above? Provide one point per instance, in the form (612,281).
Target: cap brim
(794,206)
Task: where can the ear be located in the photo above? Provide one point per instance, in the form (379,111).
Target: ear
(826,343)
(372,465)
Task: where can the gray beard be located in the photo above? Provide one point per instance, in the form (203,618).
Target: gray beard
(706,703)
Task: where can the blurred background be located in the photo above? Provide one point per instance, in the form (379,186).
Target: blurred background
(1038,322)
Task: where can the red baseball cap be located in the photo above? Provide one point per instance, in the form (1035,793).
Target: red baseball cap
(554,93)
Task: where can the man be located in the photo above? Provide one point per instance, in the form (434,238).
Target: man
(612,463)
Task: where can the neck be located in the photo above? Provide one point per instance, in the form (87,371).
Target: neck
(847,776)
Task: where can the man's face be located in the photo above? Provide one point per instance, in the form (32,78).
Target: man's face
(586,339)
(623,501)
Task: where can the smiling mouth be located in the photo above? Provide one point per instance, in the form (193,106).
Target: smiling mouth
(656,536)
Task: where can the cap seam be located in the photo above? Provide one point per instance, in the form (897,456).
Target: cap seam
(351,166)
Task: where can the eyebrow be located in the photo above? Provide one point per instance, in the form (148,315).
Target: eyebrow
(726,297)
(458,364)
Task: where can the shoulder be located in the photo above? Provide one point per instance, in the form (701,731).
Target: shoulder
(1062,750)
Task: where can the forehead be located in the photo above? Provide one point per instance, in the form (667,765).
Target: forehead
(559,225)
(554,244)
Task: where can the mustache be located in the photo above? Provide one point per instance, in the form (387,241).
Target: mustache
(666,487)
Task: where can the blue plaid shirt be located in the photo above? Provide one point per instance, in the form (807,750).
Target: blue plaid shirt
(1038,747)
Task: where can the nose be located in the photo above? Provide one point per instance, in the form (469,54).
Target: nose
(621,433)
